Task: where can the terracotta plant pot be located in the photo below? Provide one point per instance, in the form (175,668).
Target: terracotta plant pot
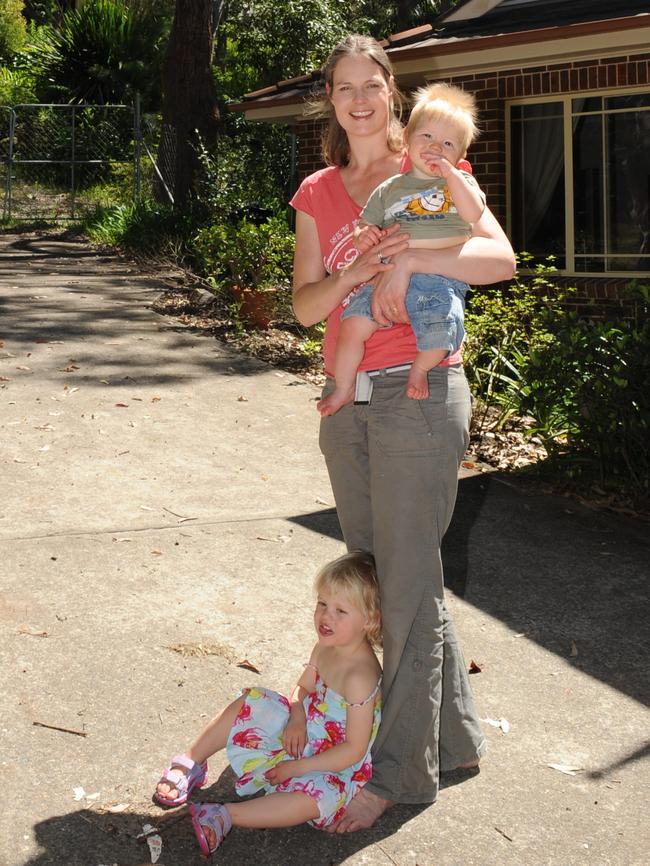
(256,306)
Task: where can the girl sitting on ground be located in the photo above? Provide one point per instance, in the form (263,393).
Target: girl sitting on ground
(309,753)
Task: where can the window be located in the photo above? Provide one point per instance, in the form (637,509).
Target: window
(580,182)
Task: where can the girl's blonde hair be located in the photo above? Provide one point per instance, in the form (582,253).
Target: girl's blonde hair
(445,102)
(335,145)
(355,574)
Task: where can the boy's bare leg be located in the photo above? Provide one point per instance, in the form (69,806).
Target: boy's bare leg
(417,387)
(212,739)
(350,347)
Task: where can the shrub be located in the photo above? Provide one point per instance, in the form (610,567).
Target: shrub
(13,28)
(589,390)
(246,255)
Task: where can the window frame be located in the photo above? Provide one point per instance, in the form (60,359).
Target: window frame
(567,99)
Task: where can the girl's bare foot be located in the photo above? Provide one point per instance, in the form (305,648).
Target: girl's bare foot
(362,812)
(417,387)
(331,404)
(166,789)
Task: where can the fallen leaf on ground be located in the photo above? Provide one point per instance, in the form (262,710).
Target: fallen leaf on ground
(467,464)
(249,666)
(474,668)
(156,399)
(567,769)
(71,368)
(23,367)
(122,405)
(242,399)
(574,649)
(25,629)
(504,724)
(119,807)
(321,501)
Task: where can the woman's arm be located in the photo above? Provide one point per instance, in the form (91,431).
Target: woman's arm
(316,293)
(487,257)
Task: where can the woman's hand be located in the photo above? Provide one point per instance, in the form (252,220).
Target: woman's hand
(375,261)
(281,772)
(294,736)
(389,293)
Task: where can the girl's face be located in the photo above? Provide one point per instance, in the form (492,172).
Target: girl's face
(338,621)
(431,140)
(361,95)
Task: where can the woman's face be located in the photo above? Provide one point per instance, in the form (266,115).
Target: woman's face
(361,95)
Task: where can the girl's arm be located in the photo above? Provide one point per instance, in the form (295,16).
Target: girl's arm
(294,736)
(358,728)
(485,258)
(316,293)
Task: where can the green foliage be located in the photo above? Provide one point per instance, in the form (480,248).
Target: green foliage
(586,383)
(13,28)
(503,325)
(591,383)
(103,52)
(144,227)
(246,255)
(16,86)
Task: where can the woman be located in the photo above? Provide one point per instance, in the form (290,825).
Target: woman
(393,463)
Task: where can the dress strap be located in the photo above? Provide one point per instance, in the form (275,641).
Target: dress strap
(370,697)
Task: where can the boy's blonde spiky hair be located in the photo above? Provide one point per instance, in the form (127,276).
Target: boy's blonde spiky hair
(443,101)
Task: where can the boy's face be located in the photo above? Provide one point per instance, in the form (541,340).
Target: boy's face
(429,141)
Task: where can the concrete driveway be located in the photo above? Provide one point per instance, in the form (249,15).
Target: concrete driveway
(164,508)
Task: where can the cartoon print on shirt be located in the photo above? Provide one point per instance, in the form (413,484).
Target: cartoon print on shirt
(436,200)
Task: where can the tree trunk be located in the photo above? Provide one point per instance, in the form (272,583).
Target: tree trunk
(189,96)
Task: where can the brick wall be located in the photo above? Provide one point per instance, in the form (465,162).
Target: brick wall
(488,153)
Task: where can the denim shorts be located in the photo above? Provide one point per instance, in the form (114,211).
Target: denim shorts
(436,308)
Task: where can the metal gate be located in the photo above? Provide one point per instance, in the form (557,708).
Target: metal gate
(63,161)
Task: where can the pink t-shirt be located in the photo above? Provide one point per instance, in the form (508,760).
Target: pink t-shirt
(324,197)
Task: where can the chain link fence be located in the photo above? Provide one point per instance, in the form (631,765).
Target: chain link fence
(62,162)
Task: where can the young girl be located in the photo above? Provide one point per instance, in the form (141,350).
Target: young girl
(311,754)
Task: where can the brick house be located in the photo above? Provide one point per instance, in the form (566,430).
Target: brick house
(564,99)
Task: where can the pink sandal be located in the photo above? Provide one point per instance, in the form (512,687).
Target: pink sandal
(185,783)
(213,816)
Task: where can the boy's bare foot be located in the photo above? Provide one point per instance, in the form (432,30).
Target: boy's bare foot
(331,404)
(417,387)
(362,813)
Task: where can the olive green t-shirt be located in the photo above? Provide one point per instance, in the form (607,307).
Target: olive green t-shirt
(422,207)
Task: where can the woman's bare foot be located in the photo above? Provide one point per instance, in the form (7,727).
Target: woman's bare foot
(339,397)
(417,387)
(362,813)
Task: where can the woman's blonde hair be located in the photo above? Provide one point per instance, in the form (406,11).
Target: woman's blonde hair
(445,102)
(355,574)
(335,144)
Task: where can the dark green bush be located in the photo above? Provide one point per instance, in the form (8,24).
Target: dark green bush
(589,390)
(246,255)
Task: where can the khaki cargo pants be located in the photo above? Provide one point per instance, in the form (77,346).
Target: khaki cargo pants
(393,466)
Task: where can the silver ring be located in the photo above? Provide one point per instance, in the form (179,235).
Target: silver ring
(383,260)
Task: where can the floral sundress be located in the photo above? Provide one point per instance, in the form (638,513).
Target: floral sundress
(254,746)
